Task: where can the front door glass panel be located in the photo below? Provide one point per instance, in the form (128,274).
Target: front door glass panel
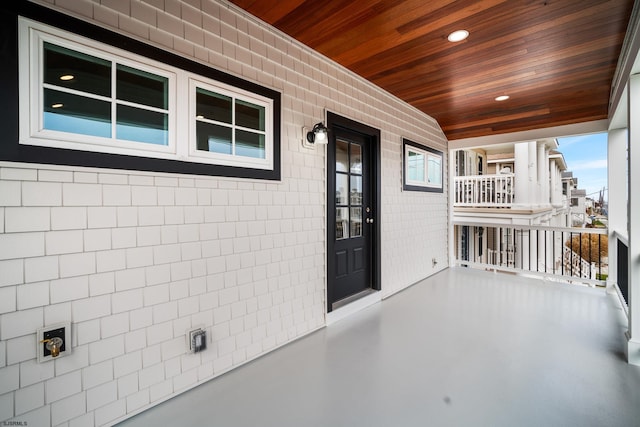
(348,190)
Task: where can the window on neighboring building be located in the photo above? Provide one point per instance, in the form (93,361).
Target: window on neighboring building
(82,95)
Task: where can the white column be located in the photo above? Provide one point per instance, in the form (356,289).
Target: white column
(633,220)
(553,175)
(617,195)
(522,166)
(541,183)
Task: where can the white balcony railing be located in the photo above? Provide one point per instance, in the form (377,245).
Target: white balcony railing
(574,254)
(492,191)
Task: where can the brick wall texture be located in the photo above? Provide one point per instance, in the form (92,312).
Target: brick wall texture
(133,260)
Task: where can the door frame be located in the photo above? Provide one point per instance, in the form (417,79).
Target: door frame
(335,121)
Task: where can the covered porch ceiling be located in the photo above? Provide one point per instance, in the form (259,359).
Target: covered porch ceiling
(555,59)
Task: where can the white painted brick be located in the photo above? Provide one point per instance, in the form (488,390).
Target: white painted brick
(114,325)
(77,264)
(130,279)
(171,350)
(41,268)
(63,386)
(193,215)
(199,268)
(95,375)
(111,260)
(106,349)
(69,289)
(18,174)
(204,197)
(157,294)
(74,194)
(137,400)
(91,308)
(148,236)
(12,272)
(3,354)
(127,364)
(126,301)
(85,420)
(166,196)
(197,286)
(10,193)
(112,178)
(214,214)
(160,390)
(180,326)
(86,177)
(144,196)
(38,417)
(64,242)
(123,238)
(1,220)
(79,7)
(188,306)
(105,15)
(136,340)
(6,406)
(97,240)
(158,274)
(141,179)
(18,220)
(159,333)
(152,375)
(78,359)
(186,196)
(110,412)
(55,176)
(188,233)
(171,365)
(102,217)
(68,218)
(87,332)
(139,257)
(162,313)
(58,313)
(116,195)
(102,395)
(180,271)
(151,215)
(178,290)
(191,251)
(151,355)
(100,284)
(41,194)
(29,398)
(68,408)
(19,323)
(141,318)
(169,235)
(127,216)
(166,254)
(32,372)
(9,378)
(32,295)
(128,385)
(174,215)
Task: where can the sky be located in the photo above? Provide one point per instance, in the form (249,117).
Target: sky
(586,157)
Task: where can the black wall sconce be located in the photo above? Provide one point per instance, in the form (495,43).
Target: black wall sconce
(318,135)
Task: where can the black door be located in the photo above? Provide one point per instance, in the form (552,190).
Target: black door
(352,226)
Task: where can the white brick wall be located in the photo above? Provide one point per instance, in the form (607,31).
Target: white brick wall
(134,260)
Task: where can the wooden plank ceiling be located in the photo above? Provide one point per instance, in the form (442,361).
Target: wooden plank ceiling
(554,58)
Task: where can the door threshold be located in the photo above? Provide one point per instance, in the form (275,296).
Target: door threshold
(350,305)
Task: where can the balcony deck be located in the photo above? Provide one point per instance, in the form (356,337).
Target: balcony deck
(462,348)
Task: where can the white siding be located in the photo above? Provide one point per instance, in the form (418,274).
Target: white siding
(135,259)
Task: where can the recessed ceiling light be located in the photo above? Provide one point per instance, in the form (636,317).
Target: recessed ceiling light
(67,77)
(502,97)
(57,105)
(458,36)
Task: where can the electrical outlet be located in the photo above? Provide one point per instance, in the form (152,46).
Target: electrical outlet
(46,335)
(197,340)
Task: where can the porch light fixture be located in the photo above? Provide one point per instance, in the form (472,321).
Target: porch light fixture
(502,98)
(458,36)
(318,135)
